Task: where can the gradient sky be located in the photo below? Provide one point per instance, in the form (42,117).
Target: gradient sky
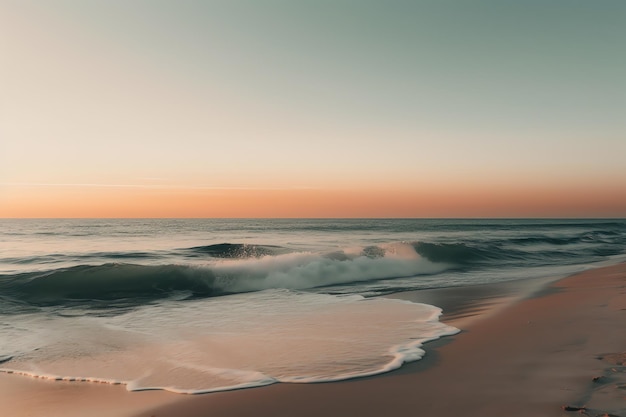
(325,108)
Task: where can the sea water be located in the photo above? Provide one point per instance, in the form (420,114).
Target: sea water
(202,305)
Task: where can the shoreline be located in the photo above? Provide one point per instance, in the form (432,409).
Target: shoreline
(463,305)
(527,356)
(530,358)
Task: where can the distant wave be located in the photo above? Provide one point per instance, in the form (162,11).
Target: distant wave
(237,250)
(586,237)
(476,254)
(540,249)
(60,257)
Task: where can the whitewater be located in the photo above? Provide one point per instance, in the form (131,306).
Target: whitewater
(204,305)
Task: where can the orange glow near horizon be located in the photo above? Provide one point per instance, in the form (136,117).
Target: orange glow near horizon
(68,202)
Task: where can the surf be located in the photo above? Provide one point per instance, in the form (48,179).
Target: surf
(225,274)
(201,346)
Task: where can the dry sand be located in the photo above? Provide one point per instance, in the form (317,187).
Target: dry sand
(563,346)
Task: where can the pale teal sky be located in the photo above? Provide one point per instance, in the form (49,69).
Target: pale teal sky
(312,93)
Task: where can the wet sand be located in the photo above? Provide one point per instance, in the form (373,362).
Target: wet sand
(526,349)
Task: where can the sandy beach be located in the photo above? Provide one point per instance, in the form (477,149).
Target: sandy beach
(525,349)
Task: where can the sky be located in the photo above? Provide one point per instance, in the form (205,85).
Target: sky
(325,108)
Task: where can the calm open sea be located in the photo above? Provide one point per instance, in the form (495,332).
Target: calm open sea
(204,305)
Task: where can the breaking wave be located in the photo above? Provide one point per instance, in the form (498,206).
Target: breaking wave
(132,283)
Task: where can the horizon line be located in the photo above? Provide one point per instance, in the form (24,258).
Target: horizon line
(317,218)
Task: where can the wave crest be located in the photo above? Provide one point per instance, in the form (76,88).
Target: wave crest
(237,250)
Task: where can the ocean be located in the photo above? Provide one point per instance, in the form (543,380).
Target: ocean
(204,305)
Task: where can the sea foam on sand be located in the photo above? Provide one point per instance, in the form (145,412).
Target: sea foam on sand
(243,340)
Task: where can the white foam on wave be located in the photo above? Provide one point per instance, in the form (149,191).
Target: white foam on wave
(303,270)
(233,342)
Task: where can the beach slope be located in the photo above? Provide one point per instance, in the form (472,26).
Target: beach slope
(556,353)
